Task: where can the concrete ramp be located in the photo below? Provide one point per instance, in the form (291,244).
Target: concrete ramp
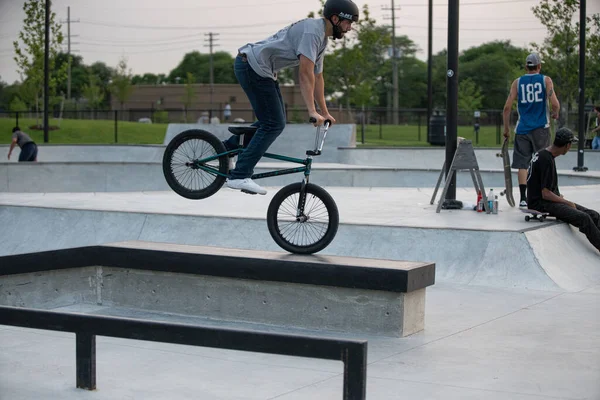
(566,255)
(548,256)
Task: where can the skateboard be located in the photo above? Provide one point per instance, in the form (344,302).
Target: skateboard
(534,214)
(508,191)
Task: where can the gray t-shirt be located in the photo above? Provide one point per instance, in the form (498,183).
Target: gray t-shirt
(22,138)
(283,49)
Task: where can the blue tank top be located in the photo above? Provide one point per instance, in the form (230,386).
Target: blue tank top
(531,104)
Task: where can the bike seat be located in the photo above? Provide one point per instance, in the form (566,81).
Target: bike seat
(242,130)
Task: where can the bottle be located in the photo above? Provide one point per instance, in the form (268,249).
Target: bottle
(490,200)
(495,207)
(479,201)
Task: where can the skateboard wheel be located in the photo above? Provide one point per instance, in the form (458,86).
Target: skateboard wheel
(542,218)
(527,218)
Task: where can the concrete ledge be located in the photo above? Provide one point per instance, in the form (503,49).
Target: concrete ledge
(434,157)
(339,294)
(53,177)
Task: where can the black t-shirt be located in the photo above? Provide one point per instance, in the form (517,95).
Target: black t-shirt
(541,175)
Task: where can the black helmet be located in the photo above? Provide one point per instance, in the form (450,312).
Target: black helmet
(344,9)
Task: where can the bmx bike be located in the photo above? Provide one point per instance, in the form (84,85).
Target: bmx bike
(302,217)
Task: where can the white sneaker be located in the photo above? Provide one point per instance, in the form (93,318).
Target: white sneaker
(246,185)
(523,204)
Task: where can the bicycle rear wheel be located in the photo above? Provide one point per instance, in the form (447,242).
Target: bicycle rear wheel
(309,230)
(184,170)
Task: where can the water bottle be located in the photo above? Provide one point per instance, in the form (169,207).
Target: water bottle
(490,200)
(495,207)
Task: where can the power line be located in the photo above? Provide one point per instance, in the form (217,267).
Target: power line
(476,3)
(195,28)
(477,29)
(112,42)
(157,43)
(92,43)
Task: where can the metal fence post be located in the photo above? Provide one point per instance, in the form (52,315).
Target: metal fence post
(85,356)
(498,125)
(419,114)
(355,372)
(116,124)
(362,125)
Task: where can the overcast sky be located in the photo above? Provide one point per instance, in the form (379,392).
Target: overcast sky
(154,35)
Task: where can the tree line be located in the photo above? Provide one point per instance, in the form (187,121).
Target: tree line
(358,68)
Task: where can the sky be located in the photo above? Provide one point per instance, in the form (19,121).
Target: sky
(154,35)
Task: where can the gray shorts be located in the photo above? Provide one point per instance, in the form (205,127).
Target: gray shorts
(526,145)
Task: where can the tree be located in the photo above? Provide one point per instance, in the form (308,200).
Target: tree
(104,74)
(93,92)
(29,50)
(559,51)
(592,83)
(79,74)
(469,95)
(412,75)
(148,79)
(121,82)
(190,93)
(492,67)
(353,69)
(198,65)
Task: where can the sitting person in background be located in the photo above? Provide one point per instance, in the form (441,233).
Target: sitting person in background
(543,193)
(28,147)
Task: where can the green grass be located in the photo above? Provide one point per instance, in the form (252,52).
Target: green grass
(73,131)
(408,136)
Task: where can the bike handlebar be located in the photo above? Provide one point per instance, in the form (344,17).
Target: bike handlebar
(327,122)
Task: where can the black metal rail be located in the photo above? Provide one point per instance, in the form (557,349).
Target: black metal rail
(353,353)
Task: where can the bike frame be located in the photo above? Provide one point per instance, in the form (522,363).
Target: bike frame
(306,162)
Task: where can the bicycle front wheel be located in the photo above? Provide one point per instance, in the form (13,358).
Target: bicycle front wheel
(302,223)
(191,166)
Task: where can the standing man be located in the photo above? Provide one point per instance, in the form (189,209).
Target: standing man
(532,132)
(300,44)
(28,147)
(227,112)
(543,193)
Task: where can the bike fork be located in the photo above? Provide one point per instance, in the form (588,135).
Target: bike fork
(300,216)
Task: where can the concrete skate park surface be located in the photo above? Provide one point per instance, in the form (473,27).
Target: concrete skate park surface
(467,247)
(115,168)
(514,313)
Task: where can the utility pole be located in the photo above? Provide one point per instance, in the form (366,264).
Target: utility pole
(452,97)
(46,67)
(211,39)
(68,21)
(394,66)
(582,126)
(429,66)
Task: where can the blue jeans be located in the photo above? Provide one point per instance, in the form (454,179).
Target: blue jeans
(267,103)
(28,152)
(596,143)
